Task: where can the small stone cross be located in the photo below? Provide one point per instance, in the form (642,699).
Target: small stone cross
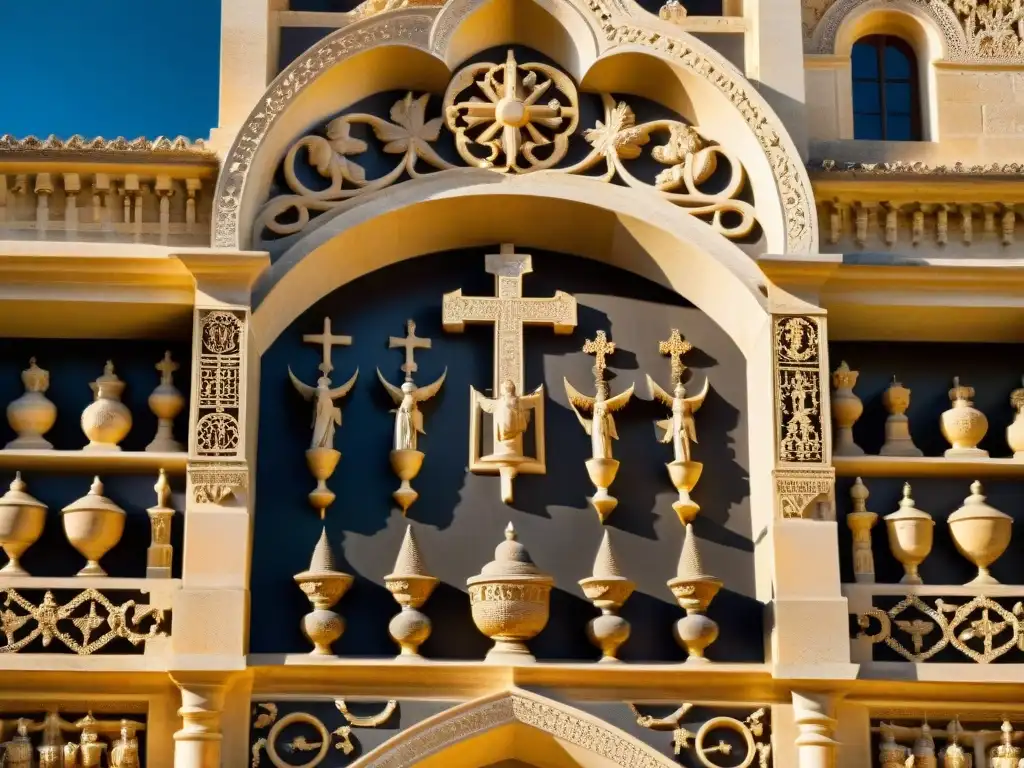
(167,367)
(675,348)
(599,348)
(327,341)
(410,343)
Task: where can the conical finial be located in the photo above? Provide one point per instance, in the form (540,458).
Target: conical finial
(606,565)
(163,489)
(859,494)
(510,532)
(17,484)
(690,565)
(323,556)
(96,489)
(409,561)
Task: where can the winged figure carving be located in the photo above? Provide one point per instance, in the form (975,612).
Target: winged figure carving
(679,429)
(408,417)
(601,427)
(326,415)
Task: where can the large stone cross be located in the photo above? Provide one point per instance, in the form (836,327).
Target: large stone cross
(509,311)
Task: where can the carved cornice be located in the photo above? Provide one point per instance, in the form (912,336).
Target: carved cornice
(914,168)
(178,147)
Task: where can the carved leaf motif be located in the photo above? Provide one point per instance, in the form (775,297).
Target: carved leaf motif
(340,140)
(408,125)
(620,136)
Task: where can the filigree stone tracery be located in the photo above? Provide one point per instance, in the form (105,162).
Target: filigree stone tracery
(217,430)
(504,128)
(798,389)
(794,190)
(121,621)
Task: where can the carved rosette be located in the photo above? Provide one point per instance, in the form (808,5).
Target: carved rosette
(803,472)
(219,352)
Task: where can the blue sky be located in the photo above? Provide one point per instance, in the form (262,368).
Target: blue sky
(109,67)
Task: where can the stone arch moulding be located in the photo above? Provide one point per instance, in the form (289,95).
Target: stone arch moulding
(786,203)
(936,18)
(593,736)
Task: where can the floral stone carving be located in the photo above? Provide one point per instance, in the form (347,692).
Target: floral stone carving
(510,118)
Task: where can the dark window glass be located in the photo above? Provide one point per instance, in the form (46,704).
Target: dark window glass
(886,100)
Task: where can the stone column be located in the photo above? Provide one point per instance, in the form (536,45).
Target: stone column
(812,712)
(197,744)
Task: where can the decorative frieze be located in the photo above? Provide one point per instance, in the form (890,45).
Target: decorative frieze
(216,482)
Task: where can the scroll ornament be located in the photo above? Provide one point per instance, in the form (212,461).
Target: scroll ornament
(601,467)
(751,731)
(510,118)
(406,459)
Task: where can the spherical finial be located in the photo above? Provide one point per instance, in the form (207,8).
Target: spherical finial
(859,491)
(976,488)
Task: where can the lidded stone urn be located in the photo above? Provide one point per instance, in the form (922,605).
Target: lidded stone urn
(93,525)
(607,589)
(410,585)
(510,601)
(694,590)
(22,518)
(1005,755)
(846,409)
(32,415)
(106,420)
(963,425)
(1015,432)
(324,585)
(911,533)
(981,533)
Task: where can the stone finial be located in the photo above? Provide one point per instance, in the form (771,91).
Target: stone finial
(606,566)
(324,585)
(690,566)
(607,589)
(322,560)
(409,561)
(510,558)
(411,585)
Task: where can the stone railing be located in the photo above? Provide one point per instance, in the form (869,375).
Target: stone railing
(110,190)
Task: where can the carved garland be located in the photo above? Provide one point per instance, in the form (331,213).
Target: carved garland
(512,129)
(121,621)
(999,630)
(794,187)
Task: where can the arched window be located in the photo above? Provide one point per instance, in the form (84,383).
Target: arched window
(886,101)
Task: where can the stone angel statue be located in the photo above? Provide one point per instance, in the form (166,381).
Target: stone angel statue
(408,417)
(510,413)
(601,427)
(326,415)
(679,429)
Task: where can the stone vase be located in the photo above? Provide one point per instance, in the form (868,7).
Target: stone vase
(166,403)
(602,474)
(22,518)
(846,409)
(694,590)
(911,532)
(981,533)
(509,600)
(1015,432)
(963,425)
(93,525)
(106,421)
(406,464)
(684,476)
(32,415)
(898,441)
(607,589)
(324,585)
(322,462)
(410,585)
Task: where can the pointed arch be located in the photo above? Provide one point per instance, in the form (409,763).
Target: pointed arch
(511,707)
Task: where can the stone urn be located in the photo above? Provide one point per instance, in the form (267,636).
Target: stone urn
(22,518)
(106,420)
(694,590)
(1005,755)
(607,589)
(911,532)
(684,476)
(410,585)
(510,601)
(846,409)
(602,474)
(898,441)
(406,464)
(924,749)
(1015,432)
(322,462)
(324,585)
(93,525)
(963,425)
(981,533)
(32,415)
(166,403)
